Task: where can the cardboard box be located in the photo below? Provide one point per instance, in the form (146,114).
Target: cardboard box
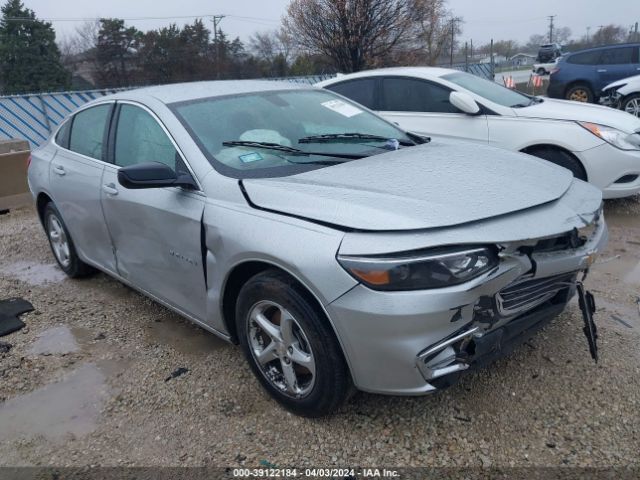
(14,190)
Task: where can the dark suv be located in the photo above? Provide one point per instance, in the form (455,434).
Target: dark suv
(582,75)
(549,52)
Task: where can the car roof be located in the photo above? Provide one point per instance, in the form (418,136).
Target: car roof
(184,92)
(420,72)
(603,47)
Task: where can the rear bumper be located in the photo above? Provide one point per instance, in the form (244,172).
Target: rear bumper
(406,343)
(556,90)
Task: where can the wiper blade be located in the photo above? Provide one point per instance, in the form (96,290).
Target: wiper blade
(293,151)
(330,137)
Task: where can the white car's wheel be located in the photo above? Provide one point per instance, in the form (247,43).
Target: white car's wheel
(631,104)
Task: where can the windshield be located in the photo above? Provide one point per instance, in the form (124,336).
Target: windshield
(489,90)
(279,133)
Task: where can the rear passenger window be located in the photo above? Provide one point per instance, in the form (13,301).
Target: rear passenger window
(585,58)
(361,91)
(413,95)
(62,137)
(618,56)
(88,131)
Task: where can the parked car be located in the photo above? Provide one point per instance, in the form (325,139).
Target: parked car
(596,143)
(582,75)
(549,52)
(544,68)
(337,249)
(623,94)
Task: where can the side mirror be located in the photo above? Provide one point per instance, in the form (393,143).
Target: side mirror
(152,175)
(464,102)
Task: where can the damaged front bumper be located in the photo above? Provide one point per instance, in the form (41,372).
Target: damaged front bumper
(412,343)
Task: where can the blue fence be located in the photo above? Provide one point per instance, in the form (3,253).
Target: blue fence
(34,117)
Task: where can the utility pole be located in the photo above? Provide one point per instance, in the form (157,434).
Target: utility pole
(453,38)
(551,17)
(635,33)
(588,30)
(216,19)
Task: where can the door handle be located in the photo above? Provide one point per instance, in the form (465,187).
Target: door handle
(110,189)
(602,70)
(58,170)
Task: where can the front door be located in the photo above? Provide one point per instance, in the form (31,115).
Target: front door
(423,107)
(156,232)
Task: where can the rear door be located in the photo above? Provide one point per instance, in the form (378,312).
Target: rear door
(156,232)
(423,107)
(75,180)
(616,63)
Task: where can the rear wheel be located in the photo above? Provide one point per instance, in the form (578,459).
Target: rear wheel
(580,92)
(541,71)
(631,104)
(62,245)
(289,345)
(561,158)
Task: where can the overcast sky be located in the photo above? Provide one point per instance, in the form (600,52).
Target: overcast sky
(484,19)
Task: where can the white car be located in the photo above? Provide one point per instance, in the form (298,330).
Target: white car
(544,68)
(623,94)
(596,143)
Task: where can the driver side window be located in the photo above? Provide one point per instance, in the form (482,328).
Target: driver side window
(140,139)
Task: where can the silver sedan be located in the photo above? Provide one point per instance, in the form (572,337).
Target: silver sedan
(339,251)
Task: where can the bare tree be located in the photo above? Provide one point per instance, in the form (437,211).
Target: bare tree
(610,34)
(353,34)
(433,25)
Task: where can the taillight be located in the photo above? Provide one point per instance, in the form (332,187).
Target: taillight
(28,161)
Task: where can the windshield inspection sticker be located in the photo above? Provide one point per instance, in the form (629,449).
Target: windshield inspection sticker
(250,157)
(342,108)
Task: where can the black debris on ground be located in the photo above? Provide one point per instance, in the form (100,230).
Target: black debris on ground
(5,347)
(176,373)
(10,310)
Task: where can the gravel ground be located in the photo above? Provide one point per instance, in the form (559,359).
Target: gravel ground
(88,383)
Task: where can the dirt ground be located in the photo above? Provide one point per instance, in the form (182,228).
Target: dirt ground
(88,382)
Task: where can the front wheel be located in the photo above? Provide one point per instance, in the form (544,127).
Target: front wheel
(289,345)
(631,104)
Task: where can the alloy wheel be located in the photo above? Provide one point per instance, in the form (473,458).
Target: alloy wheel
(59,241)
(579,95)
(281,349)
(633,107)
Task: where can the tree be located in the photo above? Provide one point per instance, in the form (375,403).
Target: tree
(29,56)
(609,34)
(432,24)
(354,34)
(116,52)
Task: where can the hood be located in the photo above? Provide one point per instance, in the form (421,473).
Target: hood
(584,112)
(430,186)
(631,84)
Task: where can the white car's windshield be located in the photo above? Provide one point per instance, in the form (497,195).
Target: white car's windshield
(489,90)
(279,133)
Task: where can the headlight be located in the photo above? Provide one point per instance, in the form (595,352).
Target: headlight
(613,136)
(436,268)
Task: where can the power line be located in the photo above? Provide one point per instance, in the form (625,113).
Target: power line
(174,17)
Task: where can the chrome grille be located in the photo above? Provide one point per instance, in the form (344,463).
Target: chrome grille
(527,294)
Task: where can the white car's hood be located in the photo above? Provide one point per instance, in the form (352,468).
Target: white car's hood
(631,84)
(432,186)
(584,112)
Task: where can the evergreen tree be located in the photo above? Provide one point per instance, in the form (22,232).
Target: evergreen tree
(29,56)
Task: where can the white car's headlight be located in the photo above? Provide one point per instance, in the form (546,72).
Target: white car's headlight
(615,137)
(436,268)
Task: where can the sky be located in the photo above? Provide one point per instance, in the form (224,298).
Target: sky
(484,19)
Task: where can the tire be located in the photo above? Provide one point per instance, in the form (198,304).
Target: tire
(580,92)
(541,71)
(561,158)
(303,369)
(631,104)
(62,245)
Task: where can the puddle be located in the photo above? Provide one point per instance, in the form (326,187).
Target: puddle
(182,337)
(36,274)
(626,270)
(59,340)
(70,406)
